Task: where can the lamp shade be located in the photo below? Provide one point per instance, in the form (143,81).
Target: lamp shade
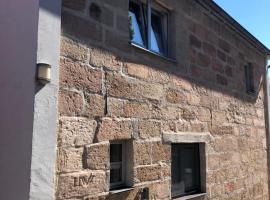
(44,73)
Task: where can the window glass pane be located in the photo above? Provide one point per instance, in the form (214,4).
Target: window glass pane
(115,152)
(157,33)
(136,24)
(116,175)
(185,169)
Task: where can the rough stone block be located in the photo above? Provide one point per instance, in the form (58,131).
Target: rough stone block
(114,129)
(149,129)
(226,144)
(98,156)
(119,86)
(73,50)
(142,153)
(147,173)
(180,83)
(137,110)
(224,130)
(76,131)
(160,152)
(188,114)
(166,113)
(137,70)
(95,106)
(160,190)
(70,103)
(174,96)
(81,184)
(102,58)
(80,76)
(204,115)
(198,127)
(70,159)
(115,107)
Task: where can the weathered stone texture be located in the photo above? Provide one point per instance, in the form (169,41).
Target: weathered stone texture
(147,173)
(149,129)
(81,183)
(80,76)
(70,159)
(142,153)
(70,103)
(97,156)
(76,131)
(73,50)
(114,129)
(112,91)
(95,106)
(102,58)
(161,152)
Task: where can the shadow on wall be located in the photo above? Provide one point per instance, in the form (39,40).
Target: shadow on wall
(209,66)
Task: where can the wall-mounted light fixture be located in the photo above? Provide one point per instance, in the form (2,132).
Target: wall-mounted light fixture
(44,73)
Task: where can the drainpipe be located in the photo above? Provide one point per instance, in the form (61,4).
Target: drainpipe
(267,118)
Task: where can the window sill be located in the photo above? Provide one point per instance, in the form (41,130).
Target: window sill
(153,53)
(190,197)
(115,191)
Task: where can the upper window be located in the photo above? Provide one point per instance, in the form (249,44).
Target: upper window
(117,165)
(149,26)
(185,169)
(249,75)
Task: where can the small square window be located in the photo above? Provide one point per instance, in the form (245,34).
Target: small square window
(249,75)
(149,26)
(185,169)
(117,165)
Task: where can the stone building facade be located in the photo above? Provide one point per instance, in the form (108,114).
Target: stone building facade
(114,92)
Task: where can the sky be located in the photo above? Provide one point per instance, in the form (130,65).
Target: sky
(253,15)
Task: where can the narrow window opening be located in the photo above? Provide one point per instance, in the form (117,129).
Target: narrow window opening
(249,75)
(117,168)
(149,26)
(185,169)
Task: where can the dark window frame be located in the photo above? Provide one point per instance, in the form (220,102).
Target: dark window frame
(196,177)
(148,10)
(116,164)
(249,78)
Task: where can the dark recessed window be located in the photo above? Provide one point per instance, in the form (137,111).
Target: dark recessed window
(149,26)
(249,75)
(117,165)
(185,169)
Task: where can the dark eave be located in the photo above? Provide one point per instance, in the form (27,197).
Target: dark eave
(226,19)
